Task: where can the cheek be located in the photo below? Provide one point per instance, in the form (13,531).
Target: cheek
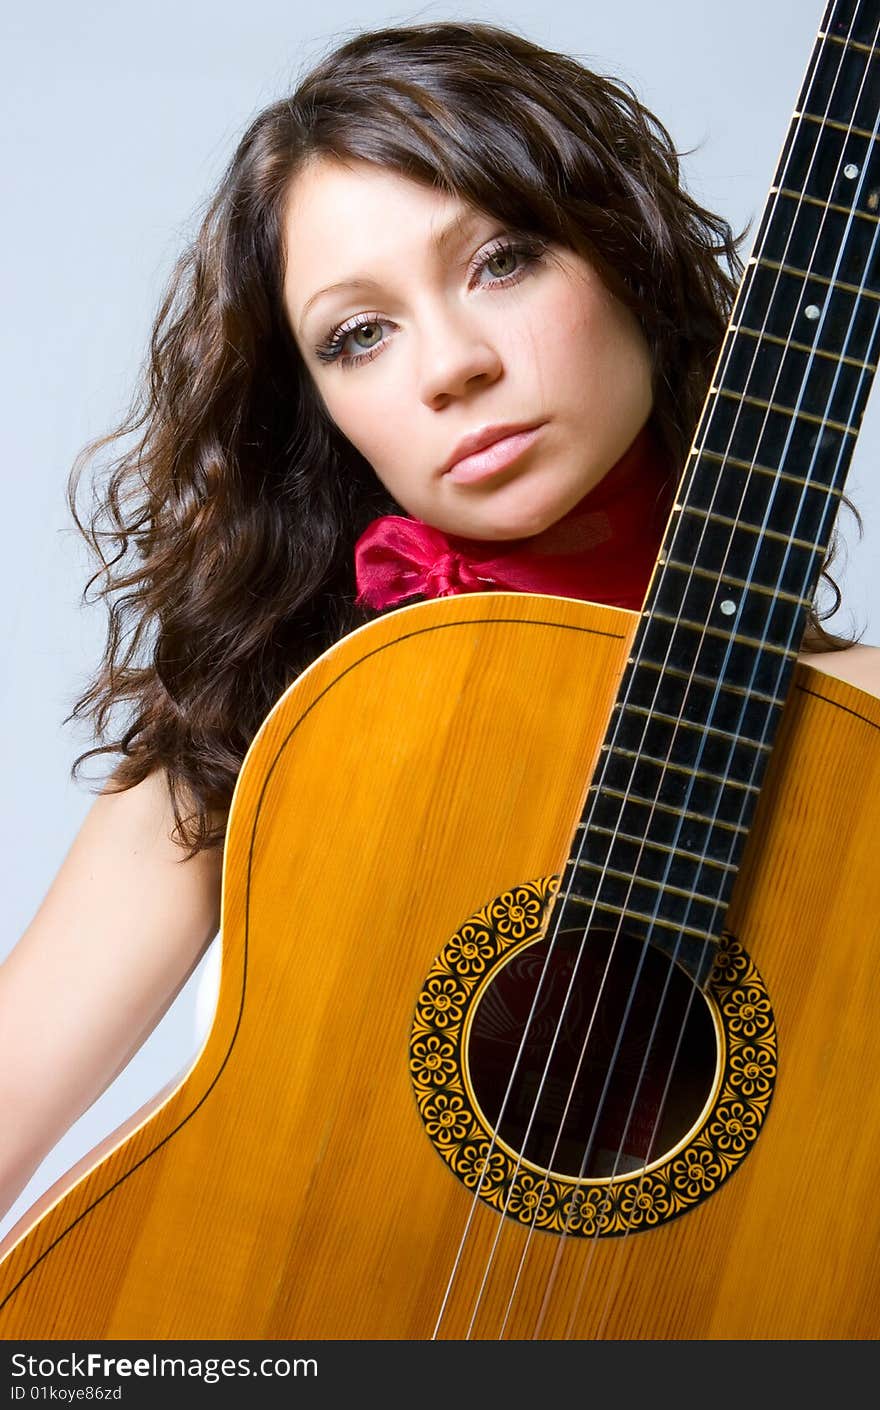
(362,419)
(591,315)
(572,342)
(608,342)
(374,423)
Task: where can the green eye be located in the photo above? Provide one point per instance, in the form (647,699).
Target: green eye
(370,340)
(506,258)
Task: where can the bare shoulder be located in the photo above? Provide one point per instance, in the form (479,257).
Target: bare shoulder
(859,665)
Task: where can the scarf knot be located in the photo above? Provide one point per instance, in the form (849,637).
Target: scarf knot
(451,574)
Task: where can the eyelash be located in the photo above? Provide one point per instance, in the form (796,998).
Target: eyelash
(330,351)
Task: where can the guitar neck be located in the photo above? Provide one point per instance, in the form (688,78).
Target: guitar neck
(684,757)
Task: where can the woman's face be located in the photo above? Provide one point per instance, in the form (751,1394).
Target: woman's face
(441,323)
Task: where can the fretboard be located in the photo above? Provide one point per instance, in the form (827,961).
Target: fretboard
(682,764)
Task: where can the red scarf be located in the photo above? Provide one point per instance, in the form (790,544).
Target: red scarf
(602,550)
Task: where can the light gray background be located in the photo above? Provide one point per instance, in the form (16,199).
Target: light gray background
(118,120)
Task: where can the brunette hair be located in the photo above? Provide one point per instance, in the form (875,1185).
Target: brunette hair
(225,533)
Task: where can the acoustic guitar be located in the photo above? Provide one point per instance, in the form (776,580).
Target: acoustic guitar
(551,930)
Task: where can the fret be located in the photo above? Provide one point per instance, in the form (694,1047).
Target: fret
(755,529)
(756,678)
(730,582)
(749,615)
(664,740)
(758,623)
(680,722)
(712,796)
(649,845)
(734,467)
(608,873)
(671,741)
(694,918)
(657,870)
(784,410)
(779,301)
(758,501)
(814,165)
(851,18)
(825,250)
(632,816)
(630,756)
(721,657)
(735,711)
(672,674)
(694,953)
(732,426)
(837,126)
(734,496)
(650,921)
(754,467)
(739,330)
(810,239)
(841,83)
(837,208)
(774,371)
(719,611)
(847,43)
(662,867)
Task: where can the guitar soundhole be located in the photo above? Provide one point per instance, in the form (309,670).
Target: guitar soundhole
(626,1076)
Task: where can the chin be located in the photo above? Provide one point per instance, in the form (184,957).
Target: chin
(514,511)
(528,523)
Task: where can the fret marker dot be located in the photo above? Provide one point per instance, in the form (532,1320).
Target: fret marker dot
(812,312)
(851,171)
(728,607)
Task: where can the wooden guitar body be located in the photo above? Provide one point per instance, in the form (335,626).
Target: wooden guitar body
(298,1183)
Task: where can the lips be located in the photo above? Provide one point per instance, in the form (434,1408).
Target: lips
(489,450)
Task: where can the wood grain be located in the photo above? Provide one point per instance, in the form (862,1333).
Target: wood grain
(285,1188)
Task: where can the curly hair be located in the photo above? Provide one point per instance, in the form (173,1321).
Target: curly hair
(225,532)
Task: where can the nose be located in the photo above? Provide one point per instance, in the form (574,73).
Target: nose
(456,356)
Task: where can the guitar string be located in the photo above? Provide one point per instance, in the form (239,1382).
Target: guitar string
(549,1163)
(649,1044)
(791,632)
(861,378)
(628,1229)
(508,1092)
(478,1191)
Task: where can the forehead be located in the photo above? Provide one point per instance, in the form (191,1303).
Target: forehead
(327,184)
(341,221)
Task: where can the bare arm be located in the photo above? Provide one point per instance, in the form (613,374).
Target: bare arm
(121,928)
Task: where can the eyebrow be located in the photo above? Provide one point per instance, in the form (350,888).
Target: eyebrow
(455,230)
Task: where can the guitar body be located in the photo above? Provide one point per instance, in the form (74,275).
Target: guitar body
(296,1184)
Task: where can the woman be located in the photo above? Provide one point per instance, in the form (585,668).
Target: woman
(490,252)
